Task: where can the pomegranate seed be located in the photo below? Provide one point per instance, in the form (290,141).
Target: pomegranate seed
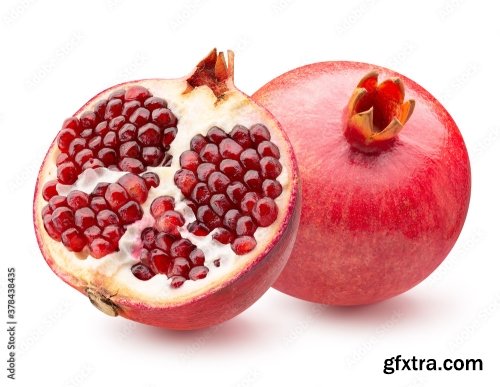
(120,94)
(267,148)
(217,262)
(100,189)
(191,204)
(95,143)
(160,205)
(107,156)
(185,180)
(231,218)
(73,240)
(250,159)
(67,173)
(62,218)
(169,136)
(163,117)
(164,241)
(106,218)
(197,143)
(148,237)
(189,160)
(223,236)
(49,189)
(235,191)
(181,248)
(151,179)
(140,116)
(113,234)
(230,149)
(153,103)
(145,257)
(149,134)
(196,257)
(49,227)
(135,186)
(88,120)
(93,164)
(86,133)
(76,146)
(169,221)
(160,261)
(201,193)
(232,169)
(243,244)
(129,164)
(208,216)
(77,199)
(46,210)
(92,233)
(113,108)
(127,132)
(116,196)
(117,123)
(152,155)
(198,229)
(64,139)
(245,226)
(98,203)
(101,128)
(138,93)
(100,108)
(100,247)
(130,149)
(72,123)
(220,204)
(177,281)
(241,135)
(83,156)
(142,272)
(265,212)
(197,273)
(248,202)
(218,182)
(57,201)
(271,188)
(204,170)
(62,158)
(130,212)
(252,180)
(216,135)
(129,108)
(178,267)
(210,154)
(270,167)
(259,133)
(110,140)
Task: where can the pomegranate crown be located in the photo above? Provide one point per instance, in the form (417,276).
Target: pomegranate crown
(377,112)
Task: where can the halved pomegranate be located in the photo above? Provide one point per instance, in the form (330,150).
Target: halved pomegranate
(386,181)
(174,203)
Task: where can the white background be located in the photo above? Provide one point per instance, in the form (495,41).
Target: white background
(56,55)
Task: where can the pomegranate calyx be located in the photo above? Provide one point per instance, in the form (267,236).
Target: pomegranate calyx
(102,302)
(214,72)
(377,112)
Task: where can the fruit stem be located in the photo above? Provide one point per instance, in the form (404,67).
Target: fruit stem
(214,72)
(377,112)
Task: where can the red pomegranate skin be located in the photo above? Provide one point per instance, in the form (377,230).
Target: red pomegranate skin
(372,225)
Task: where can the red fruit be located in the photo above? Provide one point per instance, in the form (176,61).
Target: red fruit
(386,181)
(137,183)
(265,212)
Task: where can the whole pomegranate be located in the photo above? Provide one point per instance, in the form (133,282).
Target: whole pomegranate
(386,182)
(172,202)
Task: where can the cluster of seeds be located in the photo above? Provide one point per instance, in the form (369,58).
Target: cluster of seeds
(129,131)
(164,251)
(98,220)
(229,181)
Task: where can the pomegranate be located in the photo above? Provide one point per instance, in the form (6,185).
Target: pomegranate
(386,182)
(171,202)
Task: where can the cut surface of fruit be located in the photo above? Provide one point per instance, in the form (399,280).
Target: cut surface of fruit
(385,178)
(138,199)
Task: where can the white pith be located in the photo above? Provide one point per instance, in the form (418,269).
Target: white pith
(197,112)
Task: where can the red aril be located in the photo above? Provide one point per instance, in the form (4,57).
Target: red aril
(132,196)
(386,180)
